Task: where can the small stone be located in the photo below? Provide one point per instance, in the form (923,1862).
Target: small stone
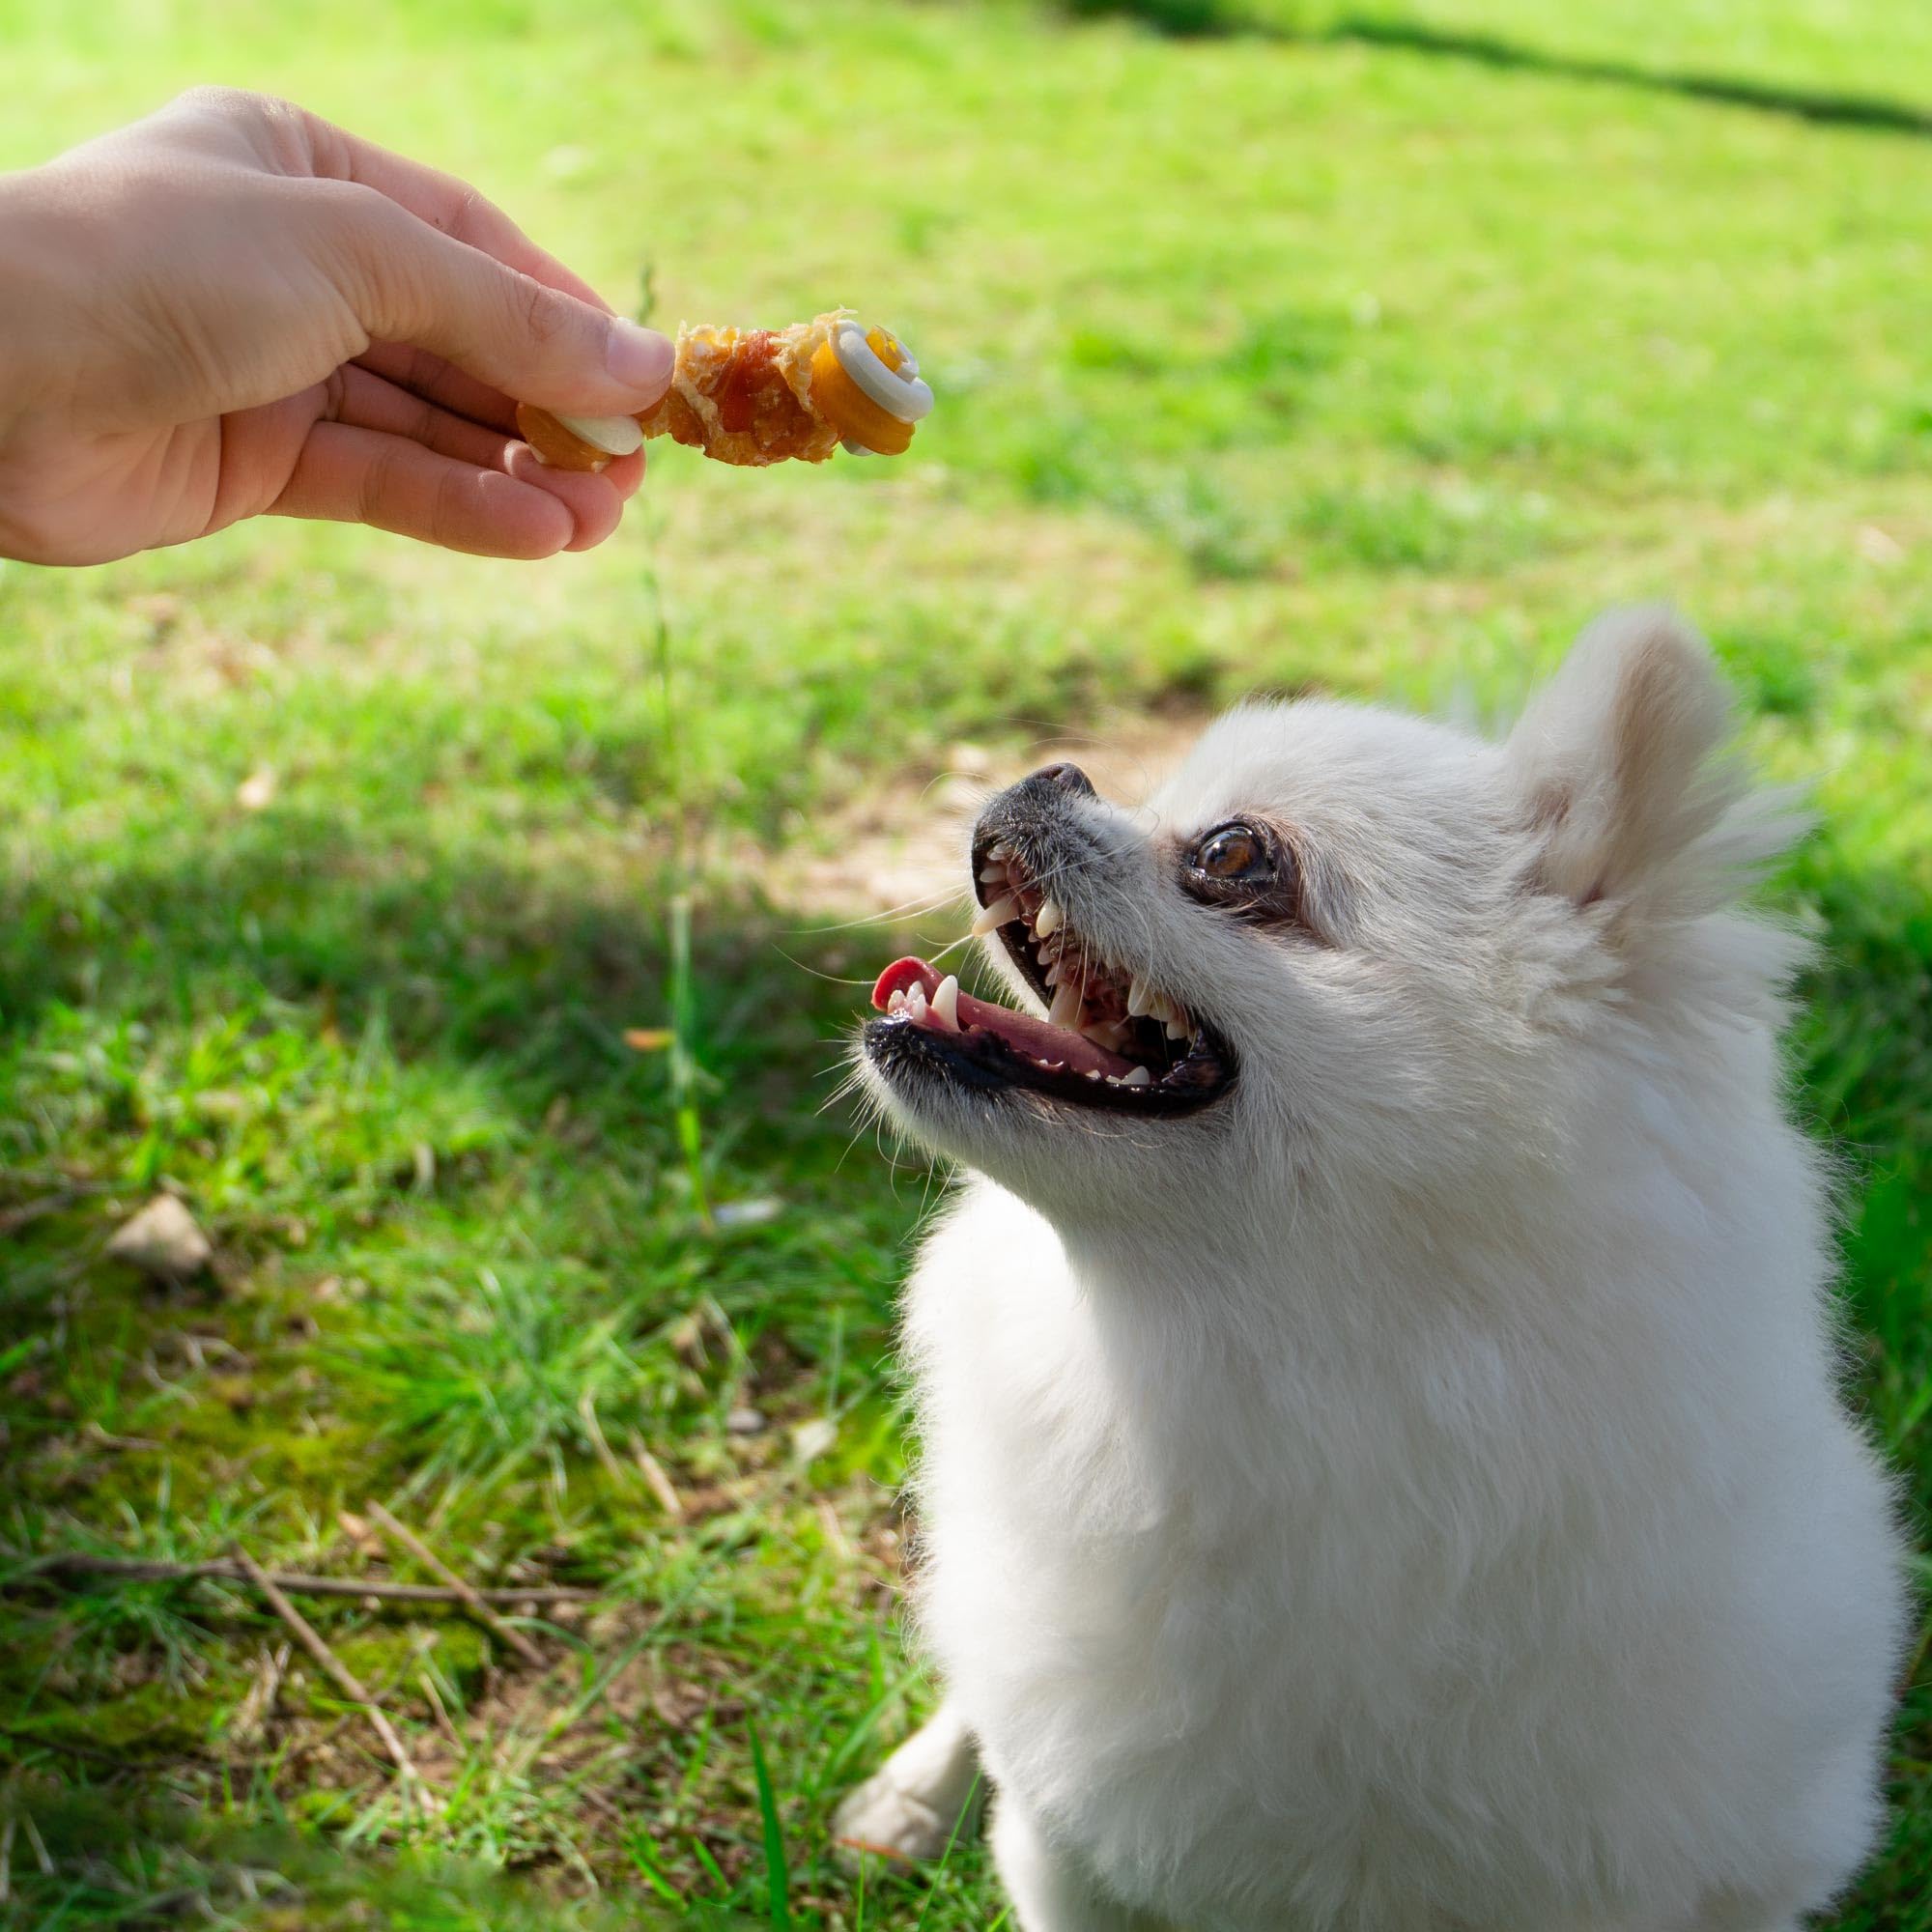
(752,1213)
(257,791)
(810,1439)
(1877,546)
(569,163)
(163,1241)
(744,1422)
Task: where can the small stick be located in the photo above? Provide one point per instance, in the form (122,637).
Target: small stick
(297,1584)
(437,1567)
(660,1484)
(436,1704)
(306,1635)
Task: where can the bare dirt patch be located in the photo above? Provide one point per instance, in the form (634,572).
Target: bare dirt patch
(899,851)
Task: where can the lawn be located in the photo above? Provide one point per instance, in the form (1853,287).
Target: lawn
(1369,350)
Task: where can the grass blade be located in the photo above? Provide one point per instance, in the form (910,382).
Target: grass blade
(778,1888)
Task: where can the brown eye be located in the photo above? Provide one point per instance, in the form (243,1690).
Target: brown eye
(1234,852)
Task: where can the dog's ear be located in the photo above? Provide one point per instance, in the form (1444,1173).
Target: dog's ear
(1614,756)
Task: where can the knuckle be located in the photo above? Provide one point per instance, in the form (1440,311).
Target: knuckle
(231,103)
(446,513)
(459,219)
(547,314)
(376,489)
(278,133)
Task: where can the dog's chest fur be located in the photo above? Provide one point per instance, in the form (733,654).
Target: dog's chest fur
(1256,1611)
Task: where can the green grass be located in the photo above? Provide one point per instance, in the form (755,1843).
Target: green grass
(1317,352)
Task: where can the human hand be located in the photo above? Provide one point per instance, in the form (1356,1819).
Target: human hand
(234,309)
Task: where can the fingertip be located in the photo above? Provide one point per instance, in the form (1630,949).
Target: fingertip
(642,359)
(540,530)
(626,475)
(596,520)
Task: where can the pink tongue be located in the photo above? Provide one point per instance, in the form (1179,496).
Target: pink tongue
(1020,1030)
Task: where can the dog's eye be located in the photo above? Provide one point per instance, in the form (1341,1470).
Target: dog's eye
(1234,852)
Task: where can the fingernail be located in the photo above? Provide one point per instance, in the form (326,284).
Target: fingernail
(639,359)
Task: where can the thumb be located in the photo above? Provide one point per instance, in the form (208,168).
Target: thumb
(414,284)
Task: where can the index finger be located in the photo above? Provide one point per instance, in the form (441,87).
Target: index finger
(428,375)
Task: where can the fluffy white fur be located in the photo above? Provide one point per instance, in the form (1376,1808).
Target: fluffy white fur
(1413,1493)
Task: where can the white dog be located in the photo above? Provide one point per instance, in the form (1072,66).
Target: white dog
(1383,1467)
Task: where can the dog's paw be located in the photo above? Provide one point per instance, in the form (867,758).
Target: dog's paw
(881,1816)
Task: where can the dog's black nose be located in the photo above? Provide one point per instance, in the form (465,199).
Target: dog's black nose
(1069,777)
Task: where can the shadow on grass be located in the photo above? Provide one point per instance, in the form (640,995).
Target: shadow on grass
(408,972)
(1219,17)
(163,1866)
(534,976)
(537,975)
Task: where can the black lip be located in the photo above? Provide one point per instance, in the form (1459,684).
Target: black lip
(981,1063)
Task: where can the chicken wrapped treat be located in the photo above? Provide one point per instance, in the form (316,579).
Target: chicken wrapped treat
(758,396)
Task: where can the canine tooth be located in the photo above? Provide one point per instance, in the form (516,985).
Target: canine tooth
(1137,997)
(946,1002)
(1175,1031)
(1002,911)
(1139,1076)
(1052,973)
(1049,918)
(992,875)
(1067,1001)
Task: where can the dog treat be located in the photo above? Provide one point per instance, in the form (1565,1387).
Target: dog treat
(754,396)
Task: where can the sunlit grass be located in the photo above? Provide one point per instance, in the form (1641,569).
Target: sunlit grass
(1298,359)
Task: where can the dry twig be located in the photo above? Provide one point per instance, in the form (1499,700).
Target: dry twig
(466,1591)
(660,1484)
(310,1639)
(296,1583)
(437,1705)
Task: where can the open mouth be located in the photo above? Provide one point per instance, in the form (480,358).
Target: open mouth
(1110,1039)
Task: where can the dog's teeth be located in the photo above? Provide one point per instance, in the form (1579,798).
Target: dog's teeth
(916,1005)
(1048,919)
(1000,851)
(1175,1030)
(1092,1074)
(1139,1076)
(992,875)
(1068,1002)
(1137,997)
(946,1002)
(897,1004)
(1052,974)
(1002,911)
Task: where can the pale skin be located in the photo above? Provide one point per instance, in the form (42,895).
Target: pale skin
(235,309)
